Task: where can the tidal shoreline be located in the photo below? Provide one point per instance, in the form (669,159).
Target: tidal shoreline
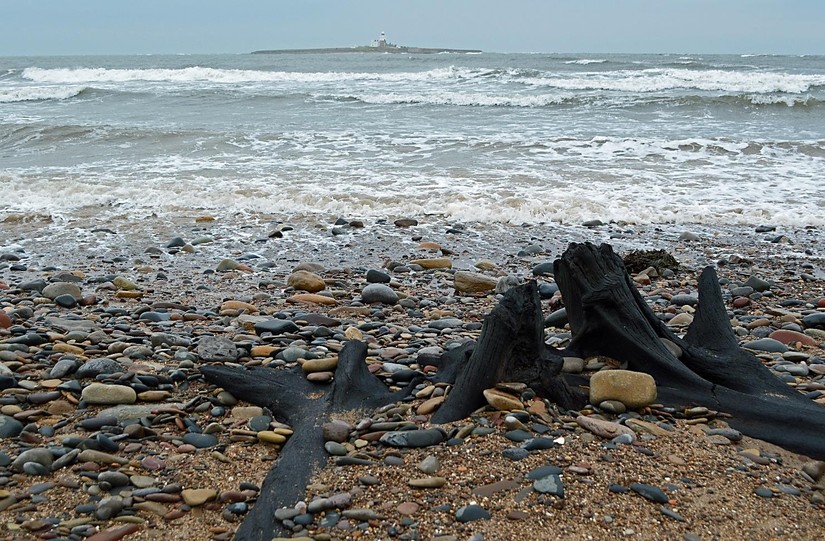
(157,298)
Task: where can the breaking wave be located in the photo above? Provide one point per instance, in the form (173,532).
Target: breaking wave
(39,93)
(230,76)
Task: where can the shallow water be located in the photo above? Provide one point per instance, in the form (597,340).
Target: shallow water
(644,139)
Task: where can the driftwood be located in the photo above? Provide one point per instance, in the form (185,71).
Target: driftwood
(607,316)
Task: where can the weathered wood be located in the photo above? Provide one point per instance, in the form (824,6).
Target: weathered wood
(510,348)
(608,317)
(305,406)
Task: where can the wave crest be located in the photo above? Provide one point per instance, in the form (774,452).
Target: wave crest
(39,93)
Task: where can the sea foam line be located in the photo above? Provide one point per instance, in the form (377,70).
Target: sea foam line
(214,75)
(39,93)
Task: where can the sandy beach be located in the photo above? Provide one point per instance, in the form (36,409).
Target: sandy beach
(173,457)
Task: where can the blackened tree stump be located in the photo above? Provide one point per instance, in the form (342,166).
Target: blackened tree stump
(607,316)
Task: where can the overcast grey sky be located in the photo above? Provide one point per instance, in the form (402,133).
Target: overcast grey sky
(52,27)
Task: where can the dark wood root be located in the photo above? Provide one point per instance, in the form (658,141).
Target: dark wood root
(608,317)
(510,348)
(305,406)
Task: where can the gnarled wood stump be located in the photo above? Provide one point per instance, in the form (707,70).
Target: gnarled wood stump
(607,317)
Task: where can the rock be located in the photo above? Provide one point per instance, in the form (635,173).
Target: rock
(790,338)
(766,344)
(95,367)
(378,277)
(649,492)
(198,496)
(275,326)
(336,430)
(639,425)
(612,406)
(306,281)
(445,323)
(684,300)
(239,306)
(52,291)
(217,349)
(124,283)
(469,513)
(485,265)
(414,438)
(605,429)
(814,320)
(429,465)
(543,471)
(506,283)
(9,427)
(405,222)
(543,269)
(65,301)
(433,263)
(573,365)
(320,365)
(680,320)
(758,284)
(37,455)
(269,436)
(116,533)
(815,469)
(226,265)
(550,484)
(101,393)
(633,389)
(427,482)
(201,441)
(407,508)
(557,318)
(473,282)
(502,401)
(378,293)
(5,320)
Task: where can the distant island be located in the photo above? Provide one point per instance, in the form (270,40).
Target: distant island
(381,45)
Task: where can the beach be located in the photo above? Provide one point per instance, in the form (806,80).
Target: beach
(186,460)
(164,217)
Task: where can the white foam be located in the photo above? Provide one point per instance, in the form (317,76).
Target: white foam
(657,80)
(459,99)
(234,76)
(38,93)
(565,180)
(586,61)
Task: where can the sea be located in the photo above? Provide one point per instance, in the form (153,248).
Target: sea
(503,138)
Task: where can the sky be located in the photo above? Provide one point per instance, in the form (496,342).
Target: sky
(62,27)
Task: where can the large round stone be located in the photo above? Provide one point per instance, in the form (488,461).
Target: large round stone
(633,389)
(378,293)
(306,281)
(473,282)
(52,291)
(100,393)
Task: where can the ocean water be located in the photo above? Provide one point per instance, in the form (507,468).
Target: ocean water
(512,138)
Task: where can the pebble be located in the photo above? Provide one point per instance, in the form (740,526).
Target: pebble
(549,484)
(650,492)
(472,512)
(101,393)
(201,441)
(379,293)
(605,429)
(414,438)
(633,389)
(198,497)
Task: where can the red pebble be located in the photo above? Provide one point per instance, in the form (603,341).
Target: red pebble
(5,320)
(821,303)
(741,302)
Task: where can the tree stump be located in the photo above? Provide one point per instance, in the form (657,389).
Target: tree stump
(607,316)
